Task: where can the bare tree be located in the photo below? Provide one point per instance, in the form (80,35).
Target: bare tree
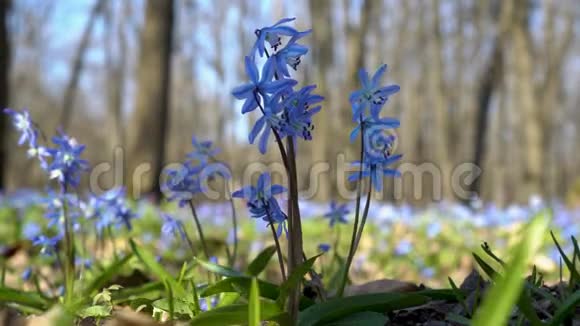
(77,67)
(517,43)
(148,132)
(322,54)
(4,85)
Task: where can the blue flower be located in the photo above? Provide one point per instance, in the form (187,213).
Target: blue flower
(404,248)
(66,164)
(259,86)
(172,227)
(272,35)
(370,124)
(261,201)
(298,111)
(31,230)
(109,209)
(289,56)
(376,170)
(26,274)
(371,95)
(337,213)
(48,245)
(22,123)
(264,125)
(324,247)
(202,151)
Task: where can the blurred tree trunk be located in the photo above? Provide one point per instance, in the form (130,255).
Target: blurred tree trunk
(77,67)
(5,53)
(491,78)
(322,57)
(518,46)
(116,66)
(549,90)
(147,137)
(437,148)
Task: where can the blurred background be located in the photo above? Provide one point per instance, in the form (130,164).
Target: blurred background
(489,82)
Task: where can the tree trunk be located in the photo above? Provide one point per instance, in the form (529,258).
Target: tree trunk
(4,87)
(322,54)
(491,78)
(518,45)
(77,68)
(147,137)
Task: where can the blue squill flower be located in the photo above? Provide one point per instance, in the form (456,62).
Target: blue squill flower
(297,111)
(404,248)
(259,86)
(371,95)
(261,201)
(289,56)
(187,180)
(48,245)
(324,247)
(31,230)
(202,151)
(109,209)
(27,274)
(172,227)
(22,123)
(376,170)
(372,125)
(337,213)
(67,164)
(264,125)
(272,35)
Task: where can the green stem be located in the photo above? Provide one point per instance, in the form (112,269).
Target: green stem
(69,263)
(364,219)
(199,230)
(278,248)
(356,218)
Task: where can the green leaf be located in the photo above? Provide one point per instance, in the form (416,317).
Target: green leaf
(565,309)
(254,304)
(218,269)
(458,319)
(500,299)
(491,273)
(261,261)
(148,259)
(27,299)
(103,278)
(527,309)
(150,289)
(180,306)
(241,284)
(574,275)
(365,318)
(236,314)
(170,300)
(295,279)
(337,308)
(96,312)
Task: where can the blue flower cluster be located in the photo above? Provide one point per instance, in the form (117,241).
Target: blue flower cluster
(378,140)
(63,162)
(285,111)
(109,209)
(191,177)
(261,201)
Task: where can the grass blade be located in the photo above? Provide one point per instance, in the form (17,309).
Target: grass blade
(148,259)
(337,308)
(109,273)
(565,309)
(261,261)
(254,304)
(27,299)
(235,314)
(505,293)
(295,279)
